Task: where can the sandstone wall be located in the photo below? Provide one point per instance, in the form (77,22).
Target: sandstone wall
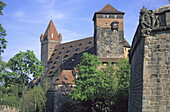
(150,64)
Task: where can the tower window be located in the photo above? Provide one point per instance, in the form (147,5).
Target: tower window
(51,35)
(115,26)
(115,16)
(105,24)
(107,16)
(71,46)
(90,42)
(104,16)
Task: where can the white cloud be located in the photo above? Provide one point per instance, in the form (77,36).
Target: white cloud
(18,14)
(41,1)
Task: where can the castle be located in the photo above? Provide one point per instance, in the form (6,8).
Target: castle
(108,43)
(60,59)
(149,56)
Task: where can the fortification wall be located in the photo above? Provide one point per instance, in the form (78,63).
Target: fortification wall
(150,63)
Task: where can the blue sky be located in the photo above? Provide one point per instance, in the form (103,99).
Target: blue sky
(25,20)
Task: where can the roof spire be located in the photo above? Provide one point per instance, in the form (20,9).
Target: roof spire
(51,32)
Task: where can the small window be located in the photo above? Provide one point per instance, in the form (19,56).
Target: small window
(60,53)
(107,16)
(80,44)
(53,67)
(51,35)
(51,72)
(75,54)
(90,42)
(105,24)
(87,47)
(58,57)
(71,46)
(57,79)
(65,56)
(78,49)
(55,62)
(115,24)
(65,78)
(68,51)
(115,16)
(63,61)
(63,47)
(104,16)
(53,54)
(55,50)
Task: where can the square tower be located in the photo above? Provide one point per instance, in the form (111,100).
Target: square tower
(109,33)
(49,40)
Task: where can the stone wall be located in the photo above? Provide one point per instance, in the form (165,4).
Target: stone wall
(61,95)
(4,108)
(47,48)
(109,43)
(150,63)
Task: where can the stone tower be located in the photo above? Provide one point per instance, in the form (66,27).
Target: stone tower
(108,33)
(49,40)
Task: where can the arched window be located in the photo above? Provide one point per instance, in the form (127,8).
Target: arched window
(115,25)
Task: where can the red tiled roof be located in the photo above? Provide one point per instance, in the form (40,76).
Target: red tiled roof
(109,9)
(65,77)
(66,51)
(126,44)
(51,29)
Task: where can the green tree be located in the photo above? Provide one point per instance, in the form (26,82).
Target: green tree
(35,100)
(122,72)
(25,64)
(9,89)
(2,31)
(95,86)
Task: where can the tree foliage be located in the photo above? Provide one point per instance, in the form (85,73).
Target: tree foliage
(35,100)
(99,88)
(25,64)
(96,85)
(2,31)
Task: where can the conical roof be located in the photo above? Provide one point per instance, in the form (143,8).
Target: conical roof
(109,9)
(51,30)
